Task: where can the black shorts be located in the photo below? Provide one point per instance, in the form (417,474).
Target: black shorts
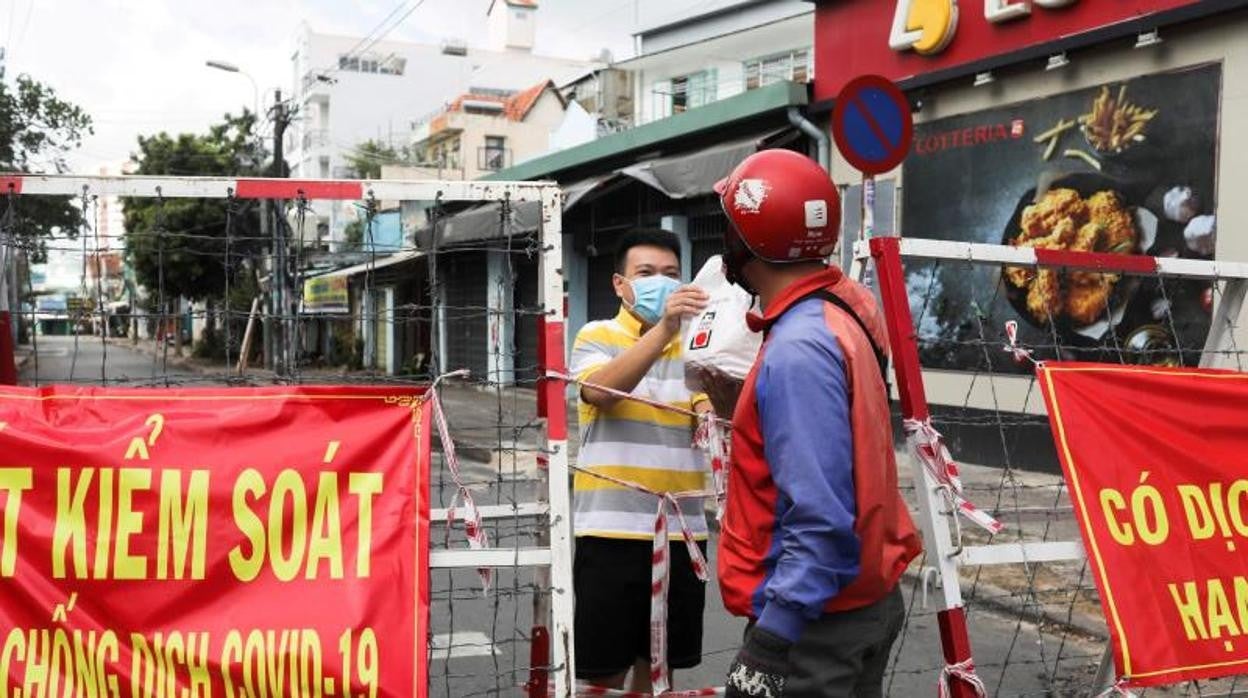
(611,578)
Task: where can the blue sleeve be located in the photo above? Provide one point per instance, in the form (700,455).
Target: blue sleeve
(803,405)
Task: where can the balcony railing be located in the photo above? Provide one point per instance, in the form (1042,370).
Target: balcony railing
(493,159)
(315,138)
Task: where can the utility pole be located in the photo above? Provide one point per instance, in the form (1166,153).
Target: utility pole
(280,279)
(8,358)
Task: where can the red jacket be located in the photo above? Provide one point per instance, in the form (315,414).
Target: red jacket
(815,522)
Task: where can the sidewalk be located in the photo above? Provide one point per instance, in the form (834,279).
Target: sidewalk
(1033,507)
(22,354)
(486,424)
(186,362)
(497,435)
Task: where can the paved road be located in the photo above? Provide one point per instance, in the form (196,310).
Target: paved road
(480,668)
(488,634)
(85,359)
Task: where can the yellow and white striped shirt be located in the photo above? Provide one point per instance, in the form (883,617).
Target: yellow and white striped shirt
(633,441)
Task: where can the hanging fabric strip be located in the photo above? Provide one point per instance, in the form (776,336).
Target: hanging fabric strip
(478,539)
(711,439)
(660,571)
(965,672)
(929,448)
(1012,345)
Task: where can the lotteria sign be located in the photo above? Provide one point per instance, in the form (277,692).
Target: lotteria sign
(912,41)
(927,26)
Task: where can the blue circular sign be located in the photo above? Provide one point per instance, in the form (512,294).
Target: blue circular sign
(872,125)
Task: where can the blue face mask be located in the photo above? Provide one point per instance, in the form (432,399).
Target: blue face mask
(650,294)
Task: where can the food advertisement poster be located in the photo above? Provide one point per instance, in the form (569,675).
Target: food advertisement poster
(1127,167)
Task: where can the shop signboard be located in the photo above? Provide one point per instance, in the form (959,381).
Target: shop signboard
(325,294)
(917,42)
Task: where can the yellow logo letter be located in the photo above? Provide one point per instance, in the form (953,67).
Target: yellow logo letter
(926,26)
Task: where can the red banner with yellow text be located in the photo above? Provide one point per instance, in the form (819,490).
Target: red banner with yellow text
(213,542)
(1154,459)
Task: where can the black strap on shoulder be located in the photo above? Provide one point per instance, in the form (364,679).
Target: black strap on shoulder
(880,357)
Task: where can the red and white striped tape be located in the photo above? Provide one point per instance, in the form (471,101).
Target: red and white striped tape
(556,375)
(929,447)
(964,671)
(478,539)
(1012,345)
(586,691)
(660,567)
(583,691)
(1118,689)
(714,443)
(660,576)
(709,437)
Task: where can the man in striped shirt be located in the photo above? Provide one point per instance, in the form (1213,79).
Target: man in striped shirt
(637,352)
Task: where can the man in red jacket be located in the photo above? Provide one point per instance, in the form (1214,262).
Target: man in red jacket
(815,533)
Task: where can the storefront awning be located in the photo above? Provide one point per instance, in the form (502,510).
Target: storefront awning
(574,192)
(694,174)
(485,222)
(676,176)
(371,265)
(751,104)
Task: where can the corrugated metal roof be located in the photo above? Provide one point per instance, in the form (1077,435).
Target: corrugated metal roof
(752,103)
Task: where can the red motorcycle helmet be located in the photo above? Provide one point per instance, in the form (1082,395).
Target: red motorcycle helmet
(782,206)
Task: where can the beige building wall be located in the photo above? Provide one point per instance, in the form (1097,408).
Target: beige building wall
(523,139)
(1219,39)
(407,173)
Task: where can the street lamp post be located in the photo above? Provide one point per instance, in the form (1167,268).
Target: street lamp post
(265,205)
(231,68)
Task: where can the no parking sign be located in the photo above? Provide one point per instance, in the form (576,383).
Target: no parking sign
(872,124)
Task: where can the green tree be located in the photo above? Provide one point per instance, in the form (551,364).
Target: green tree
(353,236)
(178,247)
(186,238)
(37,131)
(366,159)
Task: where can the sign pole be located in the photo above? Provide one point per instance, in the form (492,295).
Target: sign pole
(8,352)
(867,230)
(873,127)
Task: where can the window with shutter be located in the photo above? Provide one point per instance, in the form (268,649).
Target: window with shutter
(791,65)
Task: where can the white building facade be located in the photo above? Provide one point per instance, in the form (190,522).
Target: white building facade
(479,134)
(347,90)
(720,53)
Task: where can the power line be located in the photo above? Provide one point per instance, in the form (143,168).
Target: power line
(8,41)
(21,38)
(357,50)
(393,26)
(377,28)
(626,4)
(599,19)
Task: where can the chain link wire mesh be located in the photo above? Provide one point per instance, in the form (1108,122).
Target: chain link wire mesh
(1035,625)
(395,328)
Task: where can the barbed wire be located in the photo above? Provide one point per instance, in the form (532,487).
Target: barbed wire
(1038,624)
(1052,608)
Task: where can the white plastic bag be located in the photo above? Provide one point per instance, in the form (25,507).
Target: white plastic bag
(719,338)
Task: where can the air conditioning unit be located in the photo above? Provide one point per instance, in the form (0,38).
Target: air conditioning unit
(454,47)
